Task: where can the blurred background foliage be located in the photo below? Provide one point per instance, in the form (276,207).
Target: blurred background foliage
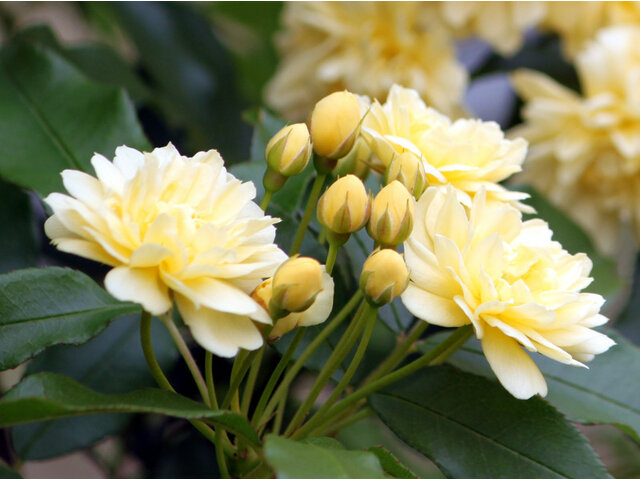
(193,74)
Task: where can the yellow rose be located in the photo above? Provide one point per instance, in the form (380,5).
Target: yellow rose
(392,214)
(335,122)
(516,286)
(317,313)
(384,276)
(345,206)
(295,285)
(173,228)
(288,152)
(408,170)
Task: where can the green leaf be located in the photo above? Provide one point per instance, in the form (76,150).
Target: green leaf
(17,243)
(471,427)
(97,61)
(6,472)
(605,277)
(291,459)
(54,118)
(390,463)
(46,396)
(607,392)
(191,73)
(112,362)
(47,306)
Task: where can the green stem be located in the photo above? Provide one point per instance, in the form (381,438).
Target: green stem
(342,349)
(299,363)
(308,213)
(331,256)
(349,420)
(275,376)
(161,380)
(150,357)
(277,423)
(188,358)
(399,353)
(433,357)
(266,200)
(370,314)
(237,375)
(208,373)
(251,382)
(220,457)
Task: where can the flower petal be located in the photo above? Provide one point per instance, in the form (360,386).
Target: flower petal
(432,308)
(512,365)
(219,332)
(140,285)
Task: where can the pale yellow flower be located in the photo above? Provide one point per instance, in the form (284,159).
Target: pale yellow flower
(502,24)
(585,149)
(363,47)
(317,313)
(578,22)
(516,286)
(384,276)
(468,154)
(173,228)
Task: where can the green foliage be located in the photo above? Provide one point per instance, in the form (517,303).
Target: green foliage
(53,117)
(390,463)
(48,306)
(46,396)
(6,472)
(472,428)
(191,75)
(319,459)
(604,393)
(113,362)
(18,243)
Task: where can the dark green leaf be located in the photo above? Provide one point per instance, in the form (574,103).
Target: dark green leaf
(390,463)
(6,472)
(18,243)
(98,62)
(605,393)
(291,459)
(247,29)
(605,277)
(55,118)
(113,362)
(46,306)
(46,396)
(190,72)
(472,428)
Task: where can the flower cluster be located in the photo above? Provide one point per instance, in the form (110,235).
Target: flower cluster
(518,288)
(585,149)
(364,47)
(471,258)
(173,228)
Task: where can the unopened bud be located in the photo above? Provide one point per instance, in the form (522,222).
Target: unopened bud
(295,285)
(335,123)
(356,161)
(392,215)
(384,277)
(288,152)
(408,170)
(345,206)
(317,313)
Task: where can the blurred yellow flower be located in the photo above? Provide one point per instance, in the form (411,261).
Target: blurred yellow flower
(502,24)
(468,154)
(364,47)
(578,22)
(315,314)
(517,287)
(585,149)
(173,228)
